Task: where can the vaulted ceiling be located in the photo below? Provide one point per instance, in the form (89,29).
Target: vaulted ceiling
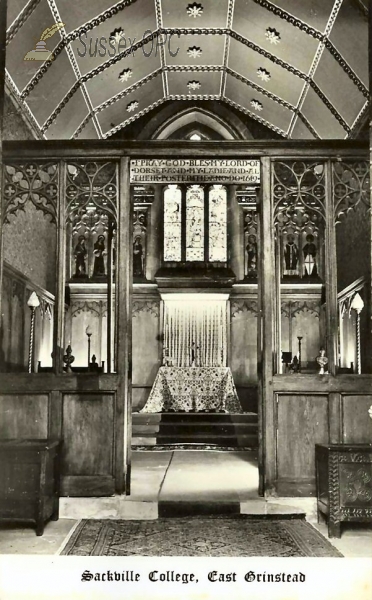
(298,67)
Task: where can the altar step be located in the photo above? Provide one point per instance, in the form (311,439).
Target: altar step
(200,429)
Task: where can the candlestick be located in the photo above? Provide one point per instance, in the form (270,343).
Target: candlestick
(89,332)
(357,304)
(33,302)
(299,337)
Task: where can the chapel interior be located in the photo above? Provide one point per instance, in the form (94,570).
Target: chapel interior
(186,236)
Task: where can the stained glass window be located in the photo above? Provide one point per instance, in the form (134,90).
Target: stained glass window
(194,214)
(194,223)
(172,223)
(217,224)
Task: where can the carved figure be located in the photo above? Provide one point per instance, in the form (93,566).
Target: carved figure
(291,254)
(310,256)
(99,252)
(80,254)
(138,257)
(252,255)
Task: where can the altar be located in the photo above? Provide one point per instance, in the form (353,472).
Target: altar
(193,389)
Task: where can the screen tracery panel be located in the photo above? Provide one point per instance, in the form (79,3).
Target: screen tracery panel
(91,228)
(352,222)
(299,192)
(29,230)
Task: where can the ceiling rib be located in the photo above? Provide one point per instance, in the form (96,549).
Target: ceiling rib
(315,63)
(255,117)
(75,68)
(25,111)
(227,31)
(322,37)
(308,125)
(140,43)
(73,35)
(21,19)
(260,89)
(229,20)
(159,25)
(131,119)
(360,118)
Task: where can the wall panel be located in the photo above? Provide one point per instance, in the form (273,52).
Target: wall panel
(356,424)
(88,431)
(23,416)
(302,422)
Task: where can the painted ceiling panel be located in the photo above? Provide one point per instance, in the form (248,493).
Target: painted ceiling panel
(252,22)
(350,37)
(57,81)
(314,13)
(194,84)
(211,50)
(300,131)
(321,118)
(213,14)
(91,50)
(25,40)
(118,112)
(350,101)
(69,119)
(75,14)
(271,111)
(281,82)
(132,69)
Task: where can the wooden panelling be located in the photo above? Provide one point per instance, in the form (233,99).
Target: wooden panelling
(23,416)
(170,148)
(86,486)
(324,384)
(356,424)
(302,422)
(88,435)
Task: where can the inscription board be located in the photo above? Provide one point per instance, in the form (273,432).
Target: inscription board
(194,170)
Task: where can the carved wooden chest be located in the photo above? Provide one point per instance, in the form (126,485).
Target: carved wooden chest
(344,484)
(29,475)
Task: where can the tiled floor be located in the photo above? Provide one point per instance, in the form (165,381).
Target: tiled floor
(158,478)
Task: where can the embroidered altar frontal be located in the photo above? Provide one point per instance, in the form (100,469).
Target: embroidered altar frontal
(193,389)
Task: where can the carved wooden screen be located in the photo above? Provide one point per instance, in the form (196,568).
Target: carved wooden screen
(352,222)
(91,219)
(299,221)
(30,198)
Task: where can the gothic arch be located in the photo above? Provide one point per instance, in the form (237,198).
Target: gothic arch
(169,120)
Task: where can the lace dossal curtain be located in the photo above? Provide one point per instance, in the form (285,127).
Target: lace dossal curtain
(195,332)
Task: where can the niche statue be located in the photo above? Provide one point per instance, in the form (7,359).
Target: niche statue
(137,257)
(310,258)
(251,249)
(80,253)
(99,252)
(291,255)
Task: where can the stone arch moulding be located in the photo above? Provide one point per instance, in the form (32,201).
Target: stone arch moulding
(169,120)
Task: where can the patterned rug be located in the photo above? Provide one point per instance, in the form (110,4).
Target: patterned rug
(168,447)
(238,535)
